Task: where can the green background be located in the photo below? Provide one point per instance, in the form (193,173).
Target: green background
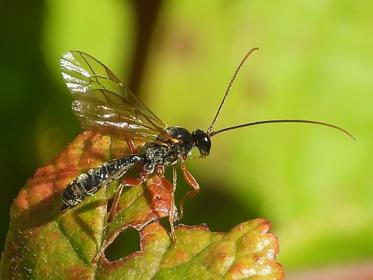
(315,62)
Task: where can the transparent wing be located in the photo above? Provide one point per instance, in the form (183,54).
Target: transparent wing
(102,102)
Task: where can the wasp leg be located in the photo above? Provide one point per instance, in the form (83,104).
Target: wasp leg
(111,213)
(174,184)
(109,218)
(124,182)
(114,204)
(131,182)
(171,188)
(191,181)
(131,144)
(171,216)
(120,189)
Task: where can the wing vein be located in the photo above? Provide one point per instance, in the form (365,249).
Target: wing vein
(103,103)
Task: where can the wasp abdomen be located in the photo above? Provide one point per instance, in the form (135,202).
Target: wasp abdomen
(90,182)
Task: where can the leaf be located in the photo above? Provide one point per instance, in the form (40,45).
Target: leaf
(45,243)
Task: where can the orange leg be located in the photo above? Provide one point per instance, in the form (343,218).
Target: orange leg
(131,182)
(174,183)
(191,181)
(115,203)
(124,182)
(109,218)
(131,145)
(171,188)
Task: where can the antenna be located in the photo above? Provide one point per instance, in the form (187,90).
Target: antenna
(229,88)
(283,121)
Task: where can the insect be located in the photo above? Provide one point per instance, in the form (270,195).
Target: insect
(102,103)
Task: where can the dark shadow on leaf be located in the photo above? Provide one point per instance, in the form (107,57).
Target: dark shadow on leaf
(41,213)
(87,228)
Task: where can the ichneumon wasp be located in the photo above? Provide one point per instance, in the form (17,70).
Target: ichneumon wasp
(102,103)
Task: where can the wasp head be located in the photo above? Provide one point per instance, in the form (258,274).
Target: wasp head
(202,141)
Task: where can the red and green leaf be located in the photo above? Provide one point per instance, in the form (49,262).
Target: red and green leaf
(45,243)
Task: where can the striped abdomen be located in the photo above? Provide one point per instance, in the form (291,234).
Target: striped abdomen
(90,182)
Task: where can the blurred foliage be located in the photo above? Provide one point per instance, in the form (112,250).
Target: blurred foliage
(314,62)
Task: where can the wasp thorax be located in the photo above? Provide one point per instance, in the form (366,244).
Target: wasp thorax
(180,133)
(186,141)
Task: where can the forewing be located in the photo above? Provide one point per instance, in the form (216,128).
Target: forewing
(102,102)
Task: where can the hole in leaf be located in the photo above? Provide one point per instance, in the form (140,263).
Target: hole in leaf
(125,244)
(165,223)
